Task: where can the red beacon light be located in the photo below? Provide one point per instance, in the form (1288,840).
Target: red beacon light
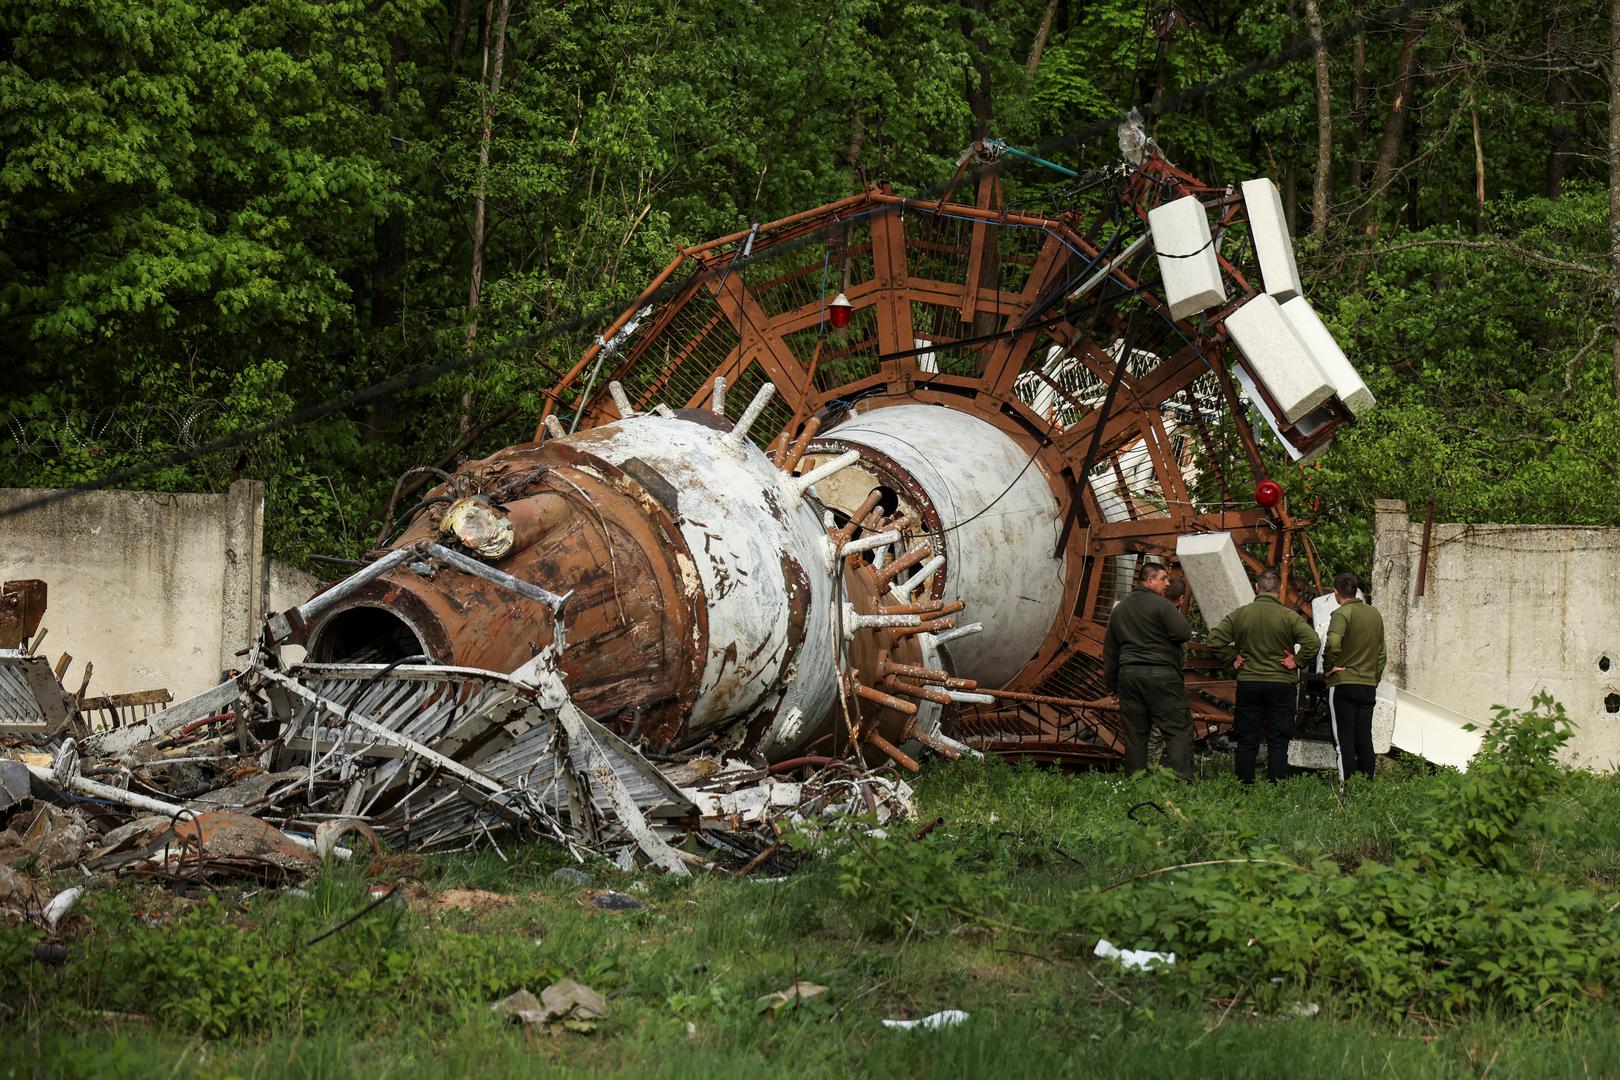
(1268,493)
(839,311)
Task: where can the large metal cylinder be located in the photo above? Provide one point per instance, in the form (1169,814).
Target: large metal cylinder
(981,501)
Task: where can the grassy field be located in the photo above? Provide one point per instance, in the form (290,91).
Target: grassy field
(994,913)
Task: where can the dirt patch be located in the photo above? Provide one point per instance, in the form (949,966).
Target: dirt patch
(473,901)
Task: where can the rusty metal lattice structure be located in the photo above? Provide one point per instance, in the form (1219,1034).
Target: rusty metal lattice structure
(1052,330)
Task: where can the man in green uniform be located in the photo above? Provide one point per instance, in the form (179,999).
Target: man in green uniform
(1142,654)
(1263,640)
(1354,660)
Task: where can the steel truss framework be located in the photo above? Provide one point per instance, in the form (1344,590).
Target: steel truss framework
(1050,327)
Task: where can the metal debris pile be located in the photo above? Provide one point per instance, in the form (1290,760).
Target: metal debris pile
(282,766)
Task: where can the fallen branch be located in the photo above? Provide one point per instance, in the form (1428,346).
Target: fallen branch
(1501,247)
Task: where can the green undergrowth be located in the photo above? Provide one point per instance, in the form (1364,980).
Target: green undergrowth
(1428,923)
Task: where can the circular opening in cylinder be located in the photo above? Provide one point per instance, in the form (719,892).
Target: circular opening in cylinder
(364,635)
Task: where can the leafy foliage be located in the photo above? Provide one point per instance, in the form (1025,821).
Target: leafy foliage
(212,215)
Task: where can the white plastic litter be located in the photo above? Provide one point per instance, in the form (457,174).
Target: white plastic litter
(60,905)
(1139,959)
(944,1019)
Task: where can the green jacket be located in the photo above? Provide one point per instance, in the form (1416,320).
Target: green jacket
(1263,630)
(1145,628)
(1355,642)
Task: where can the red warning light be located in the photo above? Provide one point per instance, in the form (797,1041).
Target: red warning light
(839,310)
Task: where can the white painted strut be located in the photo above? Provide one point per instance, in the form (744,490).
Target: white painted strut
(717,396)
(858,620)
(970,699)
(621,400)
(868,543)
(959,632)
(664,410)
(922,575)
(824,470)
(739,434)
(554,428)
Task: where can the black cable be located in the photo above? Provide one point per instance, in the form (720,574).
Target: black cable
(1173,103)
(1131,813)
(356,917)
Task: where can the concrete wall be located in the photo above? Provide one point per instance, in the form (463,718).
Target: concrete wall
(1507,611)
(155,589)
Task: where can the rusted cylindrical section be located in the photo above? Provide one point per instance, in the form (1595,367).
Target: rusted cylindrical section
(634,624)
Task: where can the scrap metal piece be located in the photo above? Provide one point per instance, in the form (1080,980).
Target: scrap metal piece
(32,700)
(22,605)
(478,527)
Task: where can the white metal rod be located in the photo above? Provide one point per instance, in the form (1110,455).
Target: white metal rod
(927,571)
(621,400)
(867,543)
(826,469)
(739,433)
(717,396)
(959,632)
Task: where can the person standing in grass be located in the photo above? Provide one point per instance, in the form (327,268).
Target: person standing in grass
(1354,659)
(1263,641)
(1142,656)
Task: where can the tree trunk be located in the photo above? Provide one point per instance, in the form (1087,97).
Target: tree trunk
(1290,196)
(1559,134)
(1041,34)
(1389,147)
(857,139)
(475,281)
(978,79)
(1358,106)
(1479,172)
(1322,183)
(458,35)
(1614,184)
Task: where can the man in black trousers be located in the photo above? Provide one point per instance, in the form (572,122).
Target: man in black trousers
(1142,657)
(1354,660)
(1263,640)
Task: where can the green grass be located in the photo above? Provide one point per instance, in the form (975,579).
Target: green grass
(233,990)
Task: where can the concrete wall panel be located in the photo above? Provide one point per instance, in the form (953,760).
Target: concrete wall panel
(155,589)
(1507,611)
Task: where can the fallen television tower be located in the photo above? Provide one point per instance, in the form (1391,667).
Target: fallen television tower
(861,483)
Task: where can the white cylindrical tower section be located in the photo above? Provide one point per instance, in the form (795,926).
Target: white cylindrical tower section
(764,563)
(985,505)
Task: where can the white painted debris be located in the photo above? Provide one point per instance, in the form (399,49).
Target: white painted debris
(1136,959)
(1318,339)
(1435,732)
(1187,264)
(1278,358)
(60,905)
(942,1019)
(1273,246)
(1214,573)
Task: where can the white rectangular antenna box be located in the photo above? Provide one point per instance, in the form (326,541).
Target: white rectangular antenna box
(1273,245)
(1277,357)
(1187,262)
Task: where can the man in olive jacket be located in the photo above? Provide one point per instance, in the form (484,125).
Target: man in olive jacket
(1142,655)
(1354,660)
(1263,640)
